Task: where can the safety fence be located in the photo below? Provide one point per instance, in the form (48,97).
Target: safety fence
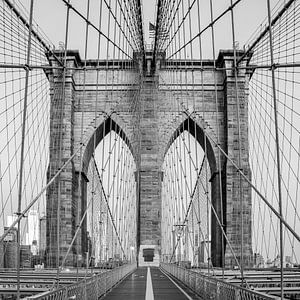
(90,288)
(212,288)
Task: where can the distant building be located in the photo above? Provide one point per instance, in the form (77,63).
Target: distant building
(288,263)
(9,247)
(12,235)
(259,261)
(25,256)
(33,227)
(269,263)
(42,234)
(276,262)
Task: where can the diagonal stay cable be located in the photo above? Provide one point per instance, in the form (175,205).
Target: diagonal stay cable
(34,33)
(206,28)
(293,232)
(266,30)
(95,27)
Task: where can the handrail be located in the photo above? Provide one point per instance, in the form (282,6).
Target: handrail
(212,288)
(90,288)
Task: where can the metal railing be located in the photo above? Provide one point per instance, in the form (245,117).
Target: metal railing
(212,288)
(90,288)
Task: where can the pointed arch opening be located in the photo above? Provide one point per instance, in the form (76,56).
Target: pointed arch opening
(191,192)
(109,197)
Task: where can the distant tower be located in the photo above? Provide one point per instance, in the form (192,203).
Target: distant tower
(33,227)
(42,234)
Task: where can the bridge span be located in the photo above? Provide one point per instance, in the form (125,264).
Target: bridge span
(150,282)
(149,149)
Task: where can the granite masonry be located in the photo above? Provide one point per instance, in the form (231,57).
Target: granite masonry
(149,111)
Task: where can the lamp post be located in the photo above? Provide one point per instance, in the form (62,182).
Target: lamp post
(131,253)
(178,229)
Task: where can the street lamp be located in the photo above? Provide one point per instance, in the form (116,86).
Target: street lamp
(178,231)
(131,253)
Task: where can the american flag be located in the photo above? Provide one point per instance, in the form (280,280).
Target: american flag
(152,29)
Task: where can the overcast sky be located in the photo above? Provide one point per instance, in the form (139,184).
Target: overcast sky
(50,15)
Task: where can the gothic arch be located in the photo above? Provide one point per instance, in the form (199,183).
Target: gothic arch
(98,135)
(198,133)
(217,192)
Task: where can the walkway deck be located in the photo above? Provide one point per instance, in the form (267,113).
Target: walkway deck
(149,284)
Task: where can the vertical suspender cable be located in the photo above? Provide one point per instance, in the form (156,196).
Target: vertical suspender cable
(81,217)
(189,129)
(277,145)
(179,164)
(60,144)
(184,167)
(95,122)
(241,193)
(218,137)
(205,140)
(22,148)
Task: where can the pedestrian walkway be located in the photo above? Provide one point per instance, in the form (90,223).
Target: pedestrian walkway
(149,283)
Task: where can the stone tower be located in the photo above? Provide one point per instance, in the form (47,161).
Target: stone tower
(149,131)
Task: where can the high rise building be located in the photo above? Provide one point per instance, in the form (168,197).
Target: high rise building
(33,227)
(259,261)
(42,234)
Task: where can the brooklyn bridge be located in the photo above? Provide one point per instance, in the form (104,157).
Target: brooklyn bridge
(149,149)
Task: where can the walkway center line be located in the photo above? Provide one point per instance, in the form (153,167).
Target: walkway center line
(149,288)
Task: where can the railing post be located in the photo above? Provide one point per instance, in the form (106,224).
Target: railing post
(196,283)
(187,276)
(21,170)
(218,296)
(237,295)
(206,287)
(97,287)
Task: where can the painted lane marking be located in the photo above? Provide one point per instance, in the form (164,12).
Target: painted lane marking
(149,288)
(181,290)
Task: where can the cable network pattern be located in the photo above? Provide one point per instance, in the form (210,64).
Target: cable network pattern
(286,58)
(28,62)
(190,30)
(16,80)
(34,159)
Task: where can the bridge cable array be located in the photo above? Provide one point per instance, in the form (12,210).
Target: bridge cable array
(176,37)
(185,36)
(117,41)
